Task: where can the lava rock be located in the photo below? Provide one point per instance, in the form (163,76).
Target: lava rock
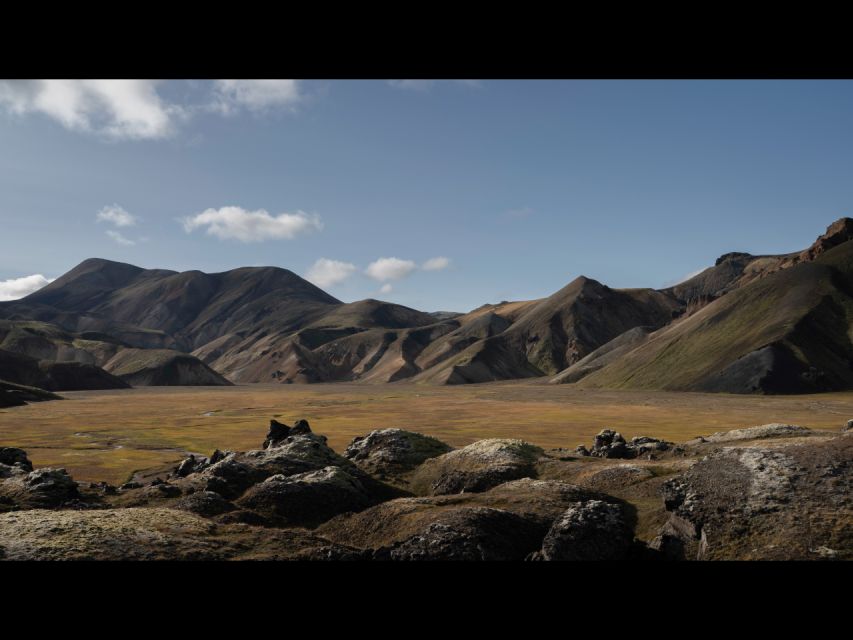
(306,499)
(393,451)
(477,467)
(592,530)
(15,457)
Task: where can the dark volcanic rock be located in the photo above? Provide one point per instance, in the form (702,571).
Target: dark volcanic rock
(205,503)
(477,467)
(306,499)
(278,432)
(592,530)
(785,502)
(611,444)
(475,533)
(393,451)
(42,488)
(12,456)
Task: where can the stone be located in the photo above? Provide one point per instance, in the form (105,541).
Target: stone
(15,457)
(306,499)
(592,530)
(393,451)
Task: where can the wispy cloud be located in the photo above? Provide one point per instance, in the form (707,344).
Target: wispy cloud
(16,288)
(327,273)
(236,223)
(135,109)
(116,215)
(436,264)
(120,239)
(255,95)
(117,109)
(386,269)
(386,288)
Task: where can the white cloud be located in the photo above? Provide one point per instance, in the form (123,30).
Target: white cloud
(390,269)
(19,287)
(116,215)
(386,288)
(235,223)
(255,95)
(436,264)
(118,109)
(115,235)
(327,273)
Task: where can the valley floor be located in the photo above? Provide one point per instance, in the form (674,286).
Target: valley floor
(107,435)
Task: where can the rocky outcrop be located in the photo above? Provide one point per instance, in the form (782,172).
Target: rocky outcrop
(785,502)
(611,444)
(41,488)
(592,530)
(477,467)
(393,452)
(476,533)
(306,499)
(773,430)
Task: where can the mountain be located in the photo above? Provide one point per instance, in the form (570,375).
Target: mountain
(748,324)
(783,328)
(55,376)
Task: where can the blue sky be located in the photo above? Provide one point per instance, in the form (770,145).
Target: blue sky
(519,185)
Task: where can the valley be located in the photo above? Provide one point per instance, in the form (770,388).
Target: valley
(107,435)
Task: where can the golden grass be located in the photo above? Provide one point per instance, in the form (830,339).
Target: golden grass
(106,435)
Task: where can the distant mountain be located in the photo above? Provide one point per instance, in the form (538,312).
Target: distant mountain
(749,324)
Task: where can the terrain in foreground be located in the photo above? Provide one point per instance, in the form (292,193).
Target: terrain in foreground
(107,435)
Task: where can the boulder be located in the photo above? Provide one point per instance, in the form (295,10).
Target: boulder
(42,488)
(611,444)
(205,503)
(393,451)
(306,499)
(474,533)
(477,467)
(592,530)
(15,457)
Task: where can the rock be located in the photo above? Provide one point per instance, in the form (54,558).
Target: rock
(477,467)
(393,451)
(151,534)
(582,450)
(190,465)
(15,457)
(205,503)
(300,427)
(848,426)
(236,472)
(592,530)
(536,502)
(278,431)
(773,430)
(761,503)
(44,487)
(611,444)
(306,499)
(475,533)
(127,486)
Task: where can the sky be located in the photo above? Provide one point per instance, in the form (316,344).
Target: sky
(439,195)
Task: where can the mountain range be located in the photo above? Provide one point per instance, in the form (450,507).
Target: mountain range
(749,324)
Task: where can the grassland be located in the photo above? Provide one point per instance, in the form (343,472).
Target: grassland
(106,435)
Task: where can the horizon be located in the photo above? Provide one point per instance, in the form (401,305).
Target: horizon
(437,195)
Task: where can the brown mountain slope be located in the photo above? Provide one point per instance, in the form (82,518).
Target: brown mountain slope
(787,332)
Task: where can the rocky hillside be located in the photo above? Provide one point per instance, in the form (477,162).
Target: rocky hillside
(749,324)
(769,492)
